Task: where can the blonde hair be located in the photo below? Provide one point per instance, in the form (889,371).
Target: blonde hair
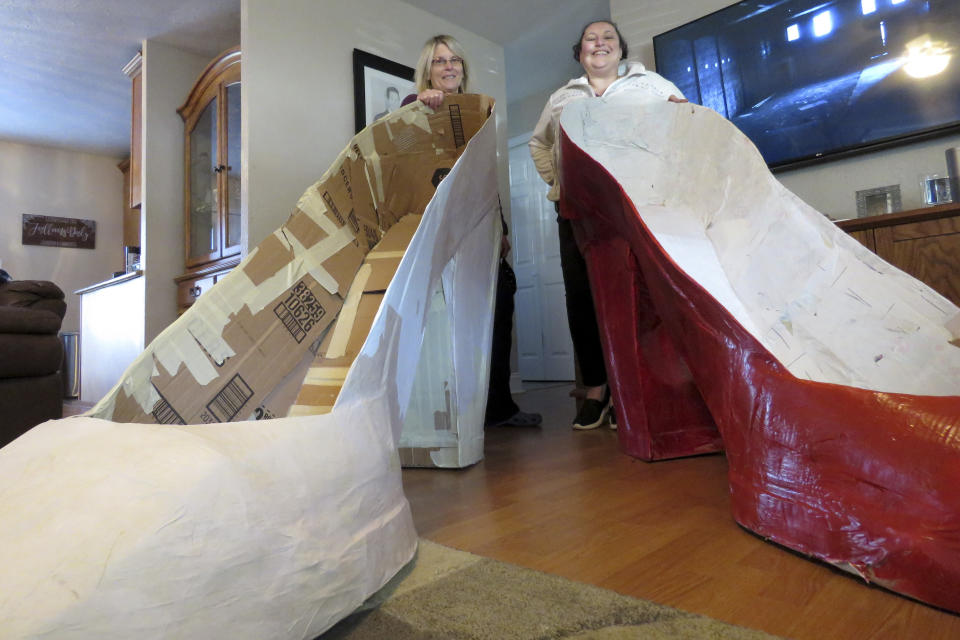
(425,63)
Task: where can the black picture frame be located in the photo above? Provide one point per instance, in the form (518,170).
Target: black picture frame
(371,72)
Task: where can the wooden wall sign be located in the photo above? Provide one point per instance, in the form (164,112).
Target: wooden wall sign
(50,231)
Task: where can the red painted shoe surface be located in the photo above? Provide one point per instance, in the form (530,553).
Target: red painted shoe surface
(865,480)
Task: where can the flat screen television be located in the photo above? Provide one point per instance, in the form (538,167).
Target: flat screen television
(810,80)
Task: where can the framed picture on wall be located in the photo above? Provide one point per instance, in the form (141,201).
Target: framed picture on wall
(379,85)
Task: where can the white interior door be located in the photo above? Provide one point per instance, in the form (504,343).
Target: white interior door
(544,349)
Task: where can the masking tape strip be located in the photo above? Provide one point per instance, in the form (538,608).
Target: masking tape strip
(201,332)
(136,380)
(307,410)
(304,262)
(215,308)
(313,205)
(324,249)
(373,193)
(417,118)
(107,405)
(348,314)
(135,384)
(364,142)
(323,376)
(383,255)
(210,337)
(182,348)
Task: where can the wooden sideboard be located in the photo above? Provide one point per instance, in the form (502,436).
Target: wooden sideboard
(196,282)
(923,242)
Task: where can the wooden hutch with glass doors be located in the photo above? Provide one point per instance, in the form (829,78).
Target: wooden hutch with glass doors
(211,117)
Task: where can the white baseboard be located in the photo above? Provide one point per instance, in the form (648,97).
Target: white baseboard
(516,384)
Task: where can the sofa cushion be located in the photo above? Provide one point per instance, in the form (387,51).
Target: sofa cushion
(28,355)
(26,402)
(17,320)
(39,288)
(36,294)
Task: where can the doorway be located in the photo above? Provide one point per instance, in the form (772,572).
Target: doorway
(544,349)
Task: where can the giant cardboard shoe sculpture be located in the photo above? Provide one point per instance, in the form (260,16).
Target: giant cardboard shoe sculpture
(833,377)
(144,526)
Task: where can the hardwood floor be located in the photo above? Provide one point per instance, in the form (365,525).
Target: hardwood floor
(569,503)
(76,407)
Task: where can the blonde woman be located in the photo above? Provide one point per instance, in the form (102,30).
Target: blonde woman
(441,69)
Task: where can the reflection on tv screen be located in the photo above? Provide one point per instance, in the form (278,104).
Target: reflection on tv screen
(807,79)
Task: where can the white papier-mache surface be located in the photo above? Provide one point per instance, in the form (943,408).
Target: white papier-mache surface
(448,401)
(270,529)
(826,307)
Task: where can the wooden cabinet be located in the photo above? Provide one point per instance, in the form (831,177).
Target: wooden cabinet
(133,190)
(195,283)
(131,215)
(924,242)
(211,116)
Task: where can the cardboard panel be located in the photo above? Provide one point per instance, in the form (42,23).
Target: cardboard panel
(320,389)
(228,352)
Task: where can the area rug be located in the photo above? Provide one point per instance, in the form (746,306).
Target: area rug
(453,595)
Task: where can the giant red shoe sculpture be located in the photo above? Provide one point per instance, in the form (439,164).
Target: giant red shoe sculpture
(833,377)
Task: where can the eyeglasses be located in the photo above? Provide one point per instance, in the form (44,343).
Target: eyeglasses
(442,62)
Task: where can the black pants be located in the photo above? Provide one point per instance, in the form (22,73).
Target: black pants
(500,404)
(581,315)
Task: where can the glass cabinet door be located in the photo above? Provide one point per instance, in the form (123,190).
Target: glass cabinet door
(212,166)
(204,238)
(231,172)
(212,222)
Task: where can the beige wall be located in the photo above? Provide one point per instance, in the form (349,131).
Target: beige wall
(168,75)
(829,187)
(68,184)
(525,113)
(297,100)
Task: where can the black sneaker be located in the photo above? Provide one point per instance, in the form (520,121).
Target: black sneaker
(591,414)
(612,417)
(519,419)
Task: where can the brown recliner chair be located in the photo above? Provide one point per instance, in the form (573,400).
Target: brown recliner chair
(31,354)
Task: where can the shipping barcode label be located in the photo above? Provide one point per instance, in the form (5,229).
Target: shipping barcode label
(456,121)
(355,225)
(300,311)
(333,207)
(163,413)
(227,404)
(405,138)
(372,236)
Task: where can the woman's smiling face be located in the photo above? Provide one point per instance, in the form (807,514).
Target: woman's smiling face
(448,75)
(599,47)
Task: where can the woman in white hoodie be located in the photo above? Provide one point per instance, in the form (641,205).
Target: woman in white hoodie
(601,52)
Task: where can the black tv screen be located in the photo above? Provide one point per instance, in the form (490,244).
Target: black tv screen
(809,80)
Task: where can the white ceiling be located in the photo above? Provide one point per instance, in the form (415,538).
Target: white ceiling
(61,62)
(61,82)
